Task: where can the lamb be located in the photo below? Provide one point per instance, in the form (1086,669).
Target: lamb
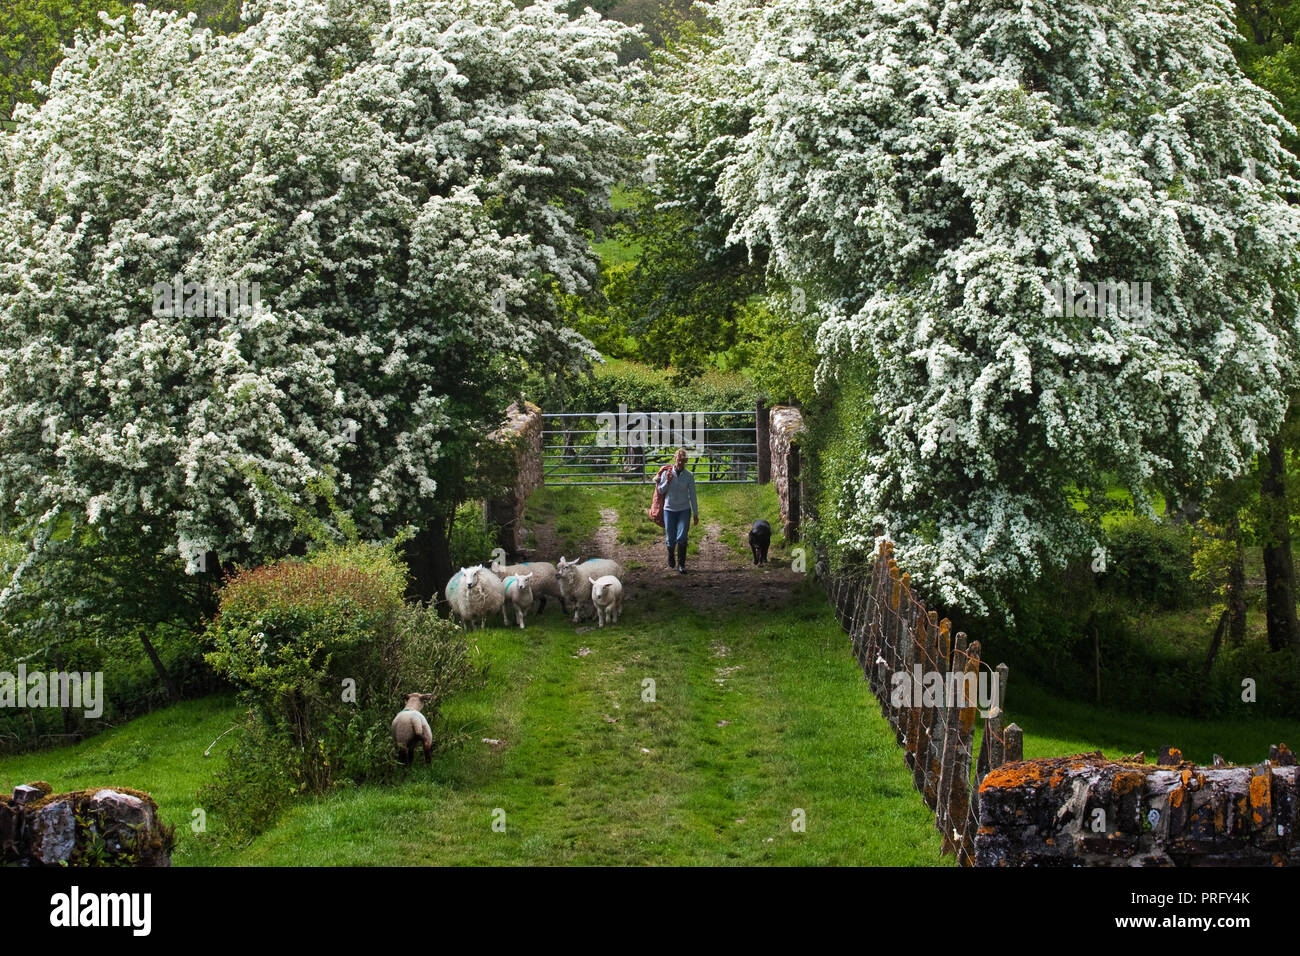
(409,726)
(519,596)
(576,577)
(545,584)
(475,594)
(607,597)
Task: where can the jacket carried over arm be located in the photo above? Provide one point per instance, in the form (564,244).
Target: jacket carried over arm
(679,492)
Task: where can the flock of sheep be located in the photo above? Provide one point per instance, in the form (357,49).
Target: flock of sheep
(477,593)
(588,588)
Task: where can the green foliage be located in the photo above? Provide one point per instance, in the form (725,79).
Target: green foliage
(79,600)
(33,34)
(776,347)
(1152,642)
(472,539)
(841,428)
(1151,563)
(1213,555)
(680,301)
(323,651)
(647,389)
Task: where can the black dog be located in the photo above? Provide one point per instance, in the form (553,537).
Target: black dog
(760,536)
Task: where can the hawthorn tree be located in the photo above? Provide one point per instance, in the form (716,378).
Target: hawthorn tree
(929,171)
(33,34)
(397,196)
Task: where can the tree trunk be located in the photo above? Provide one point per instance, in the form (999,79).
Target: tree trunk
(1214,646)
(429,556)
(1236,592)
(168,682)
(1199,703)
(1279,568)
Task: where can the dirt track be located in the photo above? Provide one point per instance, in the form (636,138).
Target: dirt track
(714,578)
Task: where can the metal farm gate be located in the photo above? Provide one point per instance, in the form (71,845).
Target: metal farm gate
(614,448)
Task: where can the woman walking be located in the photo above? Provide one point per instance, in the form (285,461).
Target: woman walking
(677,485)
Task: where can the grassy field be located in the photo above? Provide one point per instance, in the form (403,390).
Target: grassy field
(1054,726)
(751,721)
(756,719)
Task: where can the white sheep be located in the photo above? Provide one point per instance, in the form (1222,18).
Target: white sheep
(544,584)
(475,594)
(519,597)
(410,726)
(607,597)
(576,577)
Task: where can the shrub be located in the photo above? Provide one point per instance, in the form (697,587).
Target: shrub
(323,650)
(1150,562)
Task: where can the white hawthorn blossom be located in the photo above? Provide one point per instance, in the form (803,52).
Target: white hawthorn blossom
(409,184)
(931,167)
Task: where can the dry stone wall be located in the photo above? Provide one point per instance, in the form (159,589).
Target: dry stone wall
(109,826)
(1088,811)
(524,427)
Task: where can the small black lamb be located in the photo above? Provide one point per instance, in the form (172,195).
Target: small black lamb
(760,536)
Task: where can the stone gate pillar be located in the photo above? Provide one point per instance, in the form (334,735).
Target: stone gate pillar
(524,426)
(785,425)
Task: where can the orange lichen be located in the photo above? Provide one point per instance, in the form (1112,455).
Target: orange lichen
(1012,775)
(1260,797)
(1126,783)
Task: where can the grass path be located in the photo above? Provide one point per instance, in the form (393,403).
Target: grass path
(751,721)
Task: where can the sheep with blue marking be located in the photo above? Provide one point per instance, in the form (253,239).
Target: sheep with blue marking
(475,594)
(545,584)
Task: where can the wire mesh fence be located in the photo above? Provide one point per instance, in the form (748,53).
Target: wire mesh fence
(933,689)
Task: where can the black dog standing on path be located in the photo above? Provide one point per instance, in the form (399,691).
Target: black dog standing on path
(760,536)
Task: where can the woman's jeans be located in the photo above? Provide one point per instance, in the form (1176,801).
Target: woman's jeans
(676,526)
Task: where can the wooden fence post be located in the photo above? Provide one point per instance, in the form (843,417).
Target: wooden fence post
(997,752)
(1015,738)
(925,714)
(961,823)
(948,761)
(938,718)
